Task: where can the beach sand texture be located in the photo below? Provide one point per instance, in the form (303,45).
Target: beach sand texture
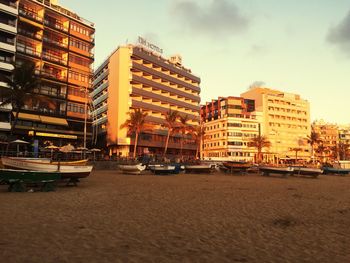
(112,217)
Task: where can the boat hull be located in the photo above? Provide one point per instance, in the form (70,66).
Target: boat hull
(132,168)
(307,171)
(335,171)
(67,171)
(198,169)
(285,171)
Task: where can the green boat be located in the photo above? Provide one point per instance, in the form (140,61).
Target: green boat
(18,180)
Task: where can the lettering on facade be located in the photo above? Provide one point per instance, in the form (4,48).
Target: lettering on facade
(45,134)
(149,45)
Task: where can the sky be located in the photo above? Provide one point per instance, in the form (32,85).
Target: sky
(294,46)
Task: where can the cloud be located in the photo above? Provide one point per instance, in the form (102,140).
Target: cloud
(221,18)
(340,34)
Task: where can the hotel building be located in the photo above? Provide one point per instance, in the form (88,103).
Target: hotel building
(285,122)
(329,139)
(230,123)
(135,77)
(8,31)
(60,43)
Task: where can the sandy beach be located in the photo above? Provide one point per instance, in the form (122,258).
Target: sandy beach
(112,217)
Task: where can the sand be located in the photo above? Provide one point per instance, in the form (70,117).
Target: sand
(112,217)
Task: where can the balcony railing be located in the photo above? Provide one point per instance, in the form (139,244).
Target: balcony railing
(29,34)
(55,42)
(53,75)
(56,25)
(28,50)
(54,58)
(26,12)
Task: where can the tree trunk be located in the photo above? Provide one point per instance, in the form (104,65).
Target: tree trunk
(15,121)
(135,145)
(197,150)
(181,146)
(166,143)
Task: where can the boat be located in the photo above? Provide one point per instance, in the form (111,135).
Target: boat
(235,167)
(132,168)
(18,179)
(335,171)
(198,168)
(267,170)
(165,169)
(306,171)
(48,160)
(67,171)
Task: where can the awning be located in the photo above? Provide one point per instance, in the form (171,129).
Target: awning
(53,120)
(30,117)
(5,126)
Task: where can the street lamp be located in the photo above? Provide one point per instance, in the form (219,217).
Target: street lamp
(85,89)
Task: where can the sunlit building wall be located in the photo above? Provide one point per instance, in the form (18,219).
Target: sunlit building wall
(134,77)
(285,122)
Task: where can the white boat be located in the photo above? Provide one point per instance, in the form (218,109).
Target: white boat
(67,171)
(199,168)
(267,170)
(132,168)
(306,171)
(165,169)
(48,160)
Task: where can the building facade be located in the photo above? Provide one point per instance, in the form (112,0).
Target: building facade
(135,77)
(61,44)
(8,32)
(285,123)
(325,149)
(230,123)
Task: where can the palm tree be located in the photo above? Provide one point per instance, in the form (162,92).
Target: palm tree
(20,89)
(313,139)
(296,150)
(170,124)
(199,135)
(184,128)
(260,142)
(321,151)
(135,124)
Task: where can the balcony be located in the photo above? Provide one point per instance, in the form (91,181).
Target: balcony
(100,89)
(100,120)
(101,77)
(29,50)
(100,110)
(6,107)
(100,99)
(55,42)
(55,25)
(5,126)
(54,58)
(53,75)
(8,27)
(7,66)
(32,35)
(28,13)
(9,9)
(9,47)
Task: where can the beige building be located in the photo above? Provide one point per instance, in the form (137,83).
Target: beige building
(138,77)
(285,122)
(230,123)
(329,140)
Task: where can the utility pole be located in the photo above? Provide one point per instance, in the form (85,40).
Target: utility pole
(85,120)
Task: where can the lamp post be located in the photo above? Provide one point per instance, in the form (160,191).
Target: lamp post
(85,119)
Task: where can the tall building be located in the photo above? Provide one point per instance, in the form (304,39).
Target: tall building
(8,31)
(137,77)
(329,139)
(229,123)
(286,122)
(60,43)
(344,139)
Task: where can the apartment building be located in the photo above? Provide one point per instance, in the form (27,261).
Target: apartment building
(8,31)
(230,123)
(60,43)
(137,77)
(285,122)
(329,139)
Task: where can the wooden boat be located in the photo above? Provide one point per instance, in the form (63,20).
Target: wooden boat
(198,168)
(18,179)
(48,160)
(67,171)
(132,168)
(306,171)
(267,170)
(335,171)
(166,169)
